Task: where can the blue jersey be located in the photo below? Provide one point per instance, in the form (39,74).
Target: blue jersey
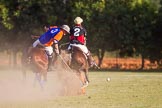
(47,36)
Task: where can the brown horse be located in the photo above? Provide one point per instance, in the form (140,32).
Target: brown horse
(38,63)
(80,65)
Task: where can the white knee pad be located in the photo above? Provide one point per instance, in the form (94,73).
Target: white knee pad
(49,50)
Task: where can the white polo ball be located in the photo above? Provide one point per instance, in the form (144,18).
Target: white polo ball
(108,79)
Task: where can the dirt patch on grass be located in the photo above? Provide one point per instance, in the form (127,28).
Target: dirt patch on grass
(14,88)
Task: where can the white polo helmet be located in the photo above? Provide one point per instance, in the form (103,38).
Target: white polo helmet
(78,20)
(66,28)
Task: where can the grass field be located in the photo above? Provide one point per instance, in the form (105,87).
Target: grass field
(124,90)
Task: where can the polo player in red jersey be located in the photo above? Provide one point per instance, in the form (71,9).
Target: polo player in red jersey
(78,39)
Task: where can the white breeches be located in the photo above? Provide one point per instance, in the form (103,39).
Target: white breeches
(37,42)
(82,47)
(48,49)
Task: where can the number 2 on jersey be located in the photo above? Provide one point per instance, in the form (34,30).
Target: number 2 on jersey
(76,31)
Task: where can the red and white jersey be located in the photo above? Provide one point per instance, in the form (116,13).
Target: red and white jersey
(77,35)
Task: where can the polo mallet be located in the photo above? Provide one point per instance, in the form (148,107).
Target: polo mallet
(67,66)
(64,44)
(97,66)
(65,63)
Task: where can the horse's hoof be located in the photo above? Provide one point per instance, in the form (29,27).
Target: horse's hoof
(83,91)
(50,69)
(85,85)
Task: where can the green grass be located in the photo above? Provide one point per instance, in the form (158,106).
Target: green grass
(125,90)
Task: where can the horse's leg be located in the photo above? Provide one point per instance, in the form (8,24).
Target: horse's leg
(35,79)
(44,76)
(85,82)
(85,79)
(43,79)
(23,75)
(80,75)
(86,75)
(38,78)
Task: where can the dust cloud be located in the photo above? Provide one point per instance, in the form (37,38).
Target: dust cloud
(13,87)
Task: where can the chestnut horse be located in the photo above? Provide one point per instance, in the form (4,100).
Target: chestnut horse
(37,60)
(79,63)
